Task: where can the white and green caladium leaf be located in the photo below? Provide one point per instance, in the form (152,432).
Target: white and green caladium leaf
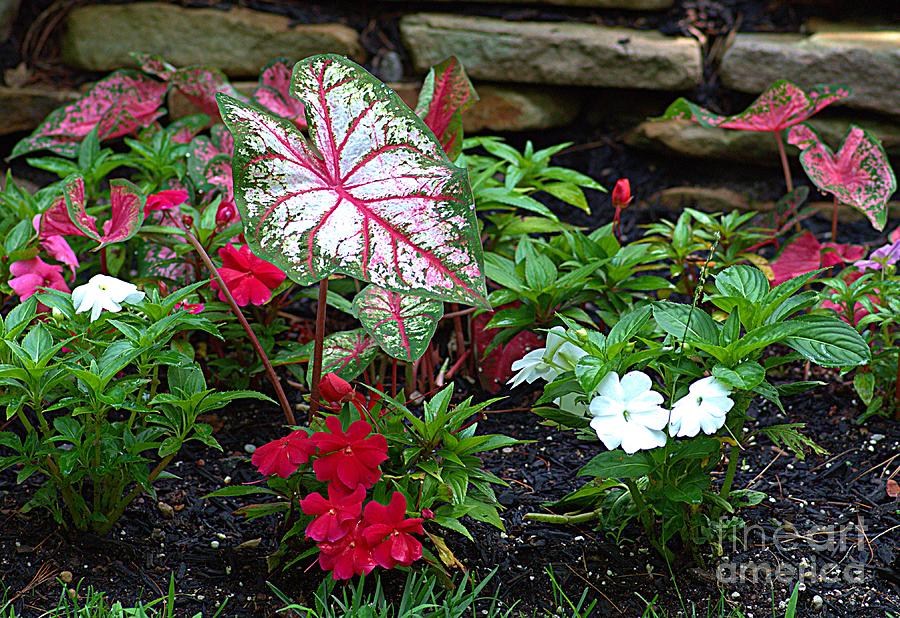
(347,353)
(371,194)
(402,324)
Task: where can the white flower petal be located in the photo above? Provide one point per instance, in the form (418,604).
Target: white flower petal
(610,387)
(635,383)
(639,438)
(610,431)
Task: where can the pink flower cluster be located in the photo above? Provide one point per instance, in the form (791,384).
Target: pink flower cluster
(353,539)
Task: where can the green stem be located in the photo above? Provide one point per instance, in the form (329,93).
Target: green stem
(116,513)
(553,518)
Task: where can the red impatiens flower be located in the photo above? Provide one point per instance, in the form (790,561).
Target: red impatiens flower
(348,556)
(349,458)
(335,516)
(335,389)
(390,534)
(282,457)
(30,275)
(165,200)
(249,279)
(193,308)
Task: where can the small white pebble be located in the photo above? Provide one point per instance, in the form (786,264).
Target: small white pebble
(226,480)
(578,538)
(250,448)
(735,595)
(220,536)
(214,544)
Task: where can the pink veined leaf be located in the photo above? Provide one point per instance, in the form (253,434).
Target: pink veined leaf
(401,324)
(198,84)
(495,369)
(446,93)
(373,196)
(347,353)
(274,92)
(219,177)
(806,254)
(118,105)
(204,149)
(55,221)
(782,105)
(185,129)
(126,207)
(858,174)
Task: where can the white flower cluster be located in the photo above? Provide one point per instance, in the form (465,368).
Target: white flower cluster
(627,412)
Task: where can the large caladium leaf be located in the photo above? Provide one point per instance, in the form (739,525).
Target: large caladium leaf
(782,105)
(446,93)
(373,196)
(126,206)
(117,105)
(347,353)
(274,92)
(402,324)
(858,174)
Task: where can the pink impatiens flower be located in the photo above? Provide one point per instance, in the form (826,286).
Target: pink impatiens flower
(165,200)
(249,279)
(283,456)
(390,534)
(31,275)
(348,556)
(335,516)
(350,458)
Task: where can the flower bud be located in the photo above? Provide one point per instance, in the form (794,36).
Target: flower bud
(621,194)
(335,389)
(427,514)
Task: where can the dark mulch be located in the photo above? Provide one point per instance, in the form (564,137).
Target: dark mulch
(843,489)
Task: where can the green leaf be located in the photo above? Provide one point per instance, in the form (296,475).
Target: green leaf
(744,282)
(617,464)
(680,321)
(829,342)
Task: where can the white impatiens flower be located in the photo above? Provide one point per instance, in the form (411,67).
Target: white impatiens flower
(104,293)
(704,407)
(627,413)
(546,363)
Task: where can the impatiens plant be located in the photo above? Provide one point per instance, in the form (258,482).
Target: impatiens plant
(858,174)
(867,295)
(99,424)
(781,106)
(368,467)
(660,456)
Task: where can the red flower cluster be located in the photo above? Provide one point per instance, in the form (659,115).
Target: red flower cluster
(352,539)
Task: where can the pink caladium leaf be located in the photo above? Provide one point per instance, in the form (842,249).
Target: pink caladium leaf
(126,208)
(495,369)
(807,254)
(782,105)
(184,130)
(446,93)
(274,92)
(117,105)
(198,84)
(401,324)
(858,174)
(347,353)
(204,149)
(373,196)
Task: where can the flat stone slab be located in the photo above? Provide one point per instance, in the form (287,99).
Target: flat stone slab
(23,109)
(688,139)
(553,52)
(238,41)
(866,61)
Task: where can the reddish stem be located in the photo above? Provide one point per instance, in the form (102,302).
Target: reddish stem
(789,183)
(103,267)
(834,212)
(317,347)
(897,392)
(273,377)
(617,226)
(394,378)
